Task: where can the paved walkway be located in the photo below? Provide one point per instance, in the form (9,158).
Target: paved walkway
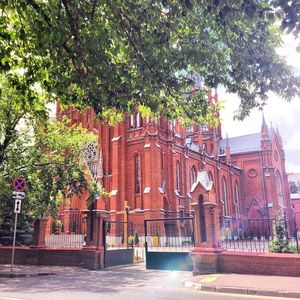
(276,286)
(33,271)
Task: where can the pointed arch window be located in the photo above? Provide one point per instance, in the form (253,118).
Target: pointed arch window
(137,162)
(236,199)
(177,176)
(189,129)
(224,197)
(193,176)
(279,189)
(138,120)
(131,121)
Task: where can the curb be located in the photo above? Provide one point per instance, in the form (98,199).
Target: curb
(241,290)
(17,275)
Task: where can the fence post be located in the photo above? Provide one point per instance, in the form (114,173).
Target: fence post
(39,233)
(296,232)
(92,254)
(205,254)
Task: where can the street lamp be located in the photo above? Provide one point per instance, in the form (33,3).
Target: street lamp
(127,209)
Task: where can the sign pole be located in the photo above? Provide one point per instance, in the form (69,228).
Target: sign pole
(19,185)
(14,243)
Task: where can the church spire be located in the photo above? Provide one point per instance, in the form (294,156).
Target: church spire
(263,120)
(264,127)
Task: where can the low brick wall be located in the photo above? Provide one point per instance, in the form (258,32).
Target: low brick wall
(42,256)
(259,263)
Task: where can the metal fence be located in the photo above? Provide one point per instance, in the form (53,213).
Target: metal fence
(23,239)
(258,235)
(173,234)
(119,235)
(67,230)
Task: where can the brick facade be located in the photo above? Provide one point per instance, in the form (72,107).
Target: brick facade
(152,166)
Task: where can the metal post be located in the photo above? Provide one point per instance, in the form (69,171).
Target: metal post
(145,232)
(296,230)
(14,243)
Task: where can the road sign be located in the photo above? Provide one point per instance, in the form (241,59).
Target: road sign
(19,184)
(18,203)
(18,195)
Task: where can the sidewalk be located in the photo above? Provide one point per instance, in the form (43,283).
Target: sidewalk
(274,286)
(33,270)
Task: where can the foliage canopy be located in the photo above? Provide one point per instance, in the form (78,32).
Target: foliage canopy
(117,55)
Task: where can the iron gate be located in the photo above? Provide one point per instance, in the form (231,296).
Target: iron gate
(168,243)
(118,248)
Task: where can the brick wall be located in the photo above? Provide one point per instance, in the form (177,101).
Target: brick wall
(44,256)
(259,263)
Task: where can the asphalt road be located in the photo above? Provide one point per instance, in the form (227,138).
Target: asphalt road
(133,282)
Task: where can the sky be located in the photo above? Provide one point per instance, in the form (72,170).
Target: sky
(278,112)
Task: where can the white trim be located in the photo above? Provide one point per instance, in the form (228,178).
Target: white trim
(115,138)
(147,189)
(113,192)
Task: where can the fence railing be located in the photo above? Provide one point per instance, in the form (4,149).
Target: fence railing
(23,239)
(172,234)
(118,235)
(68,230)
(258,235)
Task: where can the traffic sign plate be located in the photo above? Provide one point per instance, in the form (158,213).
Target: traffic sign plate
(18,195)
(18,203)
(19,184)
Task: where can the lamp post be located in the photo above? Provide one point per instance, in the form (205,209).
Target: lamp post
(127,209)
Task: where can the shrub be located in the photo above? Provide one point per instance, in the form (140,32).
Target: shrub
(280,243)
(136,240)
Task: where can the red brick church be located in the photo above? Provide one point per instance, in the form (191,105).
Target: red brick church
(157,168)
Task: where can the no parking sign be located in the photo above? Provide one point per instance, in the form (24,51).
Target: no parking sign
(19,184)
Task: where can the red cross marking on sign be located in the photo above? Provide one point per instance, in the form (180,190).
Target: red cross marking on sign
(19,184)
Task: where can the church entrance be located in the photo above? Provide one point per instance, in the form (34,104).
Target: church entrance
(168,243)
(118,243)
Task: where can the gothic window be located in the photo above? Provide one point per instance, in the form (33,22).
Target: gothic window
(137,174)
(205,128)
(131,121)
(193,176)
(224,197)
(189,129)
(174,126)
(177,176)
(236,199)
(90,152)
(211,149)
(138,120)
(210,176)
(279,189)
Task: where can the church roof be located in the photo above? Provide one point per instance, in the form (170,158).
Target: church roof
(242,144)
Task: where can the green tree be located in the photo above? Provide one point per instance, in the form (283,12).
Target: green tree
(47,153)
(118,55)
